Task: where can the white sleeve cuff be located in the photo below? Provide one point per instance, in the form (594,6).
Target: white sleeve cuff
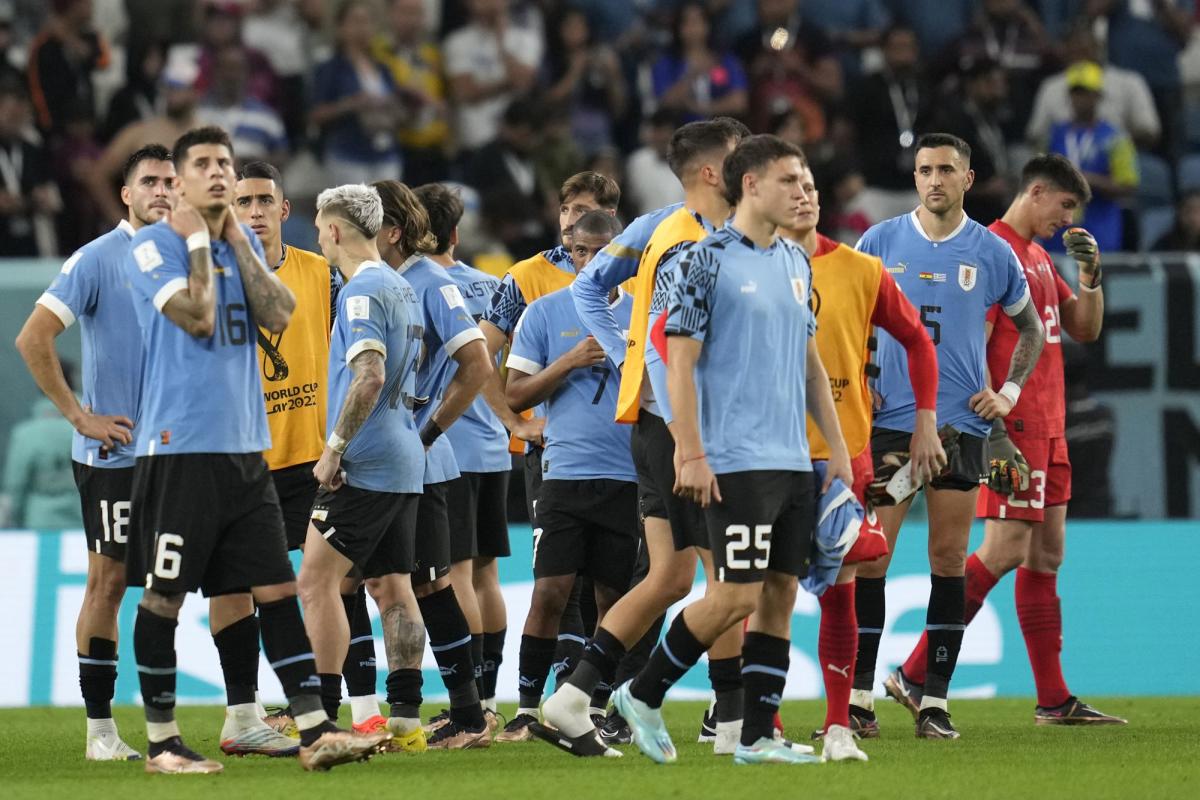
(58,308)
(169,290)
(523,365)
(1019,306)
(451,347)
(365,344)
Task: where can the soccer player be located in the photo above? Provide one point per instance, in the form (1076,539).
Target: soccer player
(674,531)
(372,465)
(953,270)
(478,498)
(741,445)
(852,293)
(204,511)
(92,289)
(453,370)
(587,505)
(1026,521)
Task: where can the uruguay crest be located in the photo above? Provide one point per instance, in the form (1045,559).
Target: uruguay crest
(967,276)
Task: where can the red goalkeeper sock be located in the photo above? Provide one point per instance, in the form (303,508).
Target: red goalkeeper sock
(980,581)
(837,646)
(1040,615)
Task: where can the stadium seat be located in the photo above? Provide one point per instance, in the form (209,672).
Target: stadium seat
(1153,223)
(1154,188)
(1188,173)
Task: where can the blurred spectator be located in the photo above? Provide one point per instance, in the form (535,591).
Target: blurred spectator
(937,23)
(39,482)
(852,26)
(586,77)
(73,155)
(138,98)
(1102,152)
(557,157)
(1148,36)
(62,58)
(276,29)
(730,19)
(977,119)
(1185,235)
(692,78)
(415,61)
(354,104)
(172,21)
(221,27)
(26,183)
(842,215)
(10,63)
(790,63)
(488,62)
(256,130)
(1126,101)
(887,109)
(651,184)
(505,168)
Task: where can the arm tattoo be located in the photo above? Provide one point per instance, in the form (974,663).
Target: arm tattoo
(271,301)
(200,277)
(1030,340)
(363,393)
(403,639)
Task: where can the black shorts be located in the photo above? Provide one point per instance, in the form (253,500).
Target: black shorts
(356,522)
(104,496)
(533,481)
(478,508)
(587,527)
(433,535)
(297,490)
(766,521)
(207,521)
(654,458)
(968,465)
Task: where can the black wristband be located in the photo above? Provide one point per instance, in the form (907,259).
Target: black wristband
(430,432)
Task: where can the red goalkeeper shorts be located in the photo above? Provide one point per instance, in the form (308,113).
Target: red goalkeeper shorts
(1049,482)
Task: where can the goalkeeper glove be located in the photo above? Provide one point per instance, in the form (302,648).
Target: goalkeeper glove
(1008,470)
(1082,247)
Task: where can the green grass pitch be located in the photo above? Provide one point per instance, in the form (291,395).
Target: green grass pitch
(1001,755)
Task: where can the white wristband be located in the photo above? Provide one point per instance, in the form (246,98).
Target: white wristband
(1011,390)
(336,443)
(198,241)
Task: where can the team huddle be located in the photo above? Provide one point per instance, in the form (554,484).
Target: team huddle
(716,384)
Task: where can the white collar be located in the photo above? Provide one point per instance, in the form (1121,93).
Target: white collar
(125,226)
(367,265)
(916,223)
(408,262)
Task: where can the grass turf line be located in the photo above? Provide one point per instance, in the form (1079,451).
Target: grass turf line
(1002,754)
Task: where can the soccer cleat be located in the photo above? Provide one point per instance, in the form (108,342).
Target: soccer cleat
(256,738)
(178,759)
(453,736)
(517,730)
(863,722)
(584,745)
(771,751)
(708,725)
(110,747)
(493,720)
(375,723)
(934,723)
(341,747)
(728,734)
(615,729)
(437,720)
(1074,712)
(903,691)
(840,745)
(413,741)
(649,731)
(280,719)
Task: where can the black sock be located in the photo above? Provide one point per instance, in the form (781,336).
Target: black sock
(944,628)
(533,666)
(675,655)
(598,667)
(725,675)
(404,693)
(870,608)
(637,656)
(572,636)
(450,641)
(237,647)
(764,673)
(331,694)
(98,677)
(359,669)
(289,653)
(310,735)
(154,652)
(477,661)
(493,656)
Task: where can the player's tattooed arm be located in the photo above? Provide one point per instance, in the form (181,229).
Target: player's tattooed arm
(271,301)
(361,396)
(1030,341)
(403,637)
(193,309)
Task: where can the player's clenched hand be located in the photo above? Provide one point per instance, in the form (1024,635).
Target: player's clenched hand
(990,405)
(231,231)
(1082,247)
(1007,468)
(695,481)
(111,430)
(926,453)
(328,470)
(838,467)
(530,430)
(184,219)
(585,354)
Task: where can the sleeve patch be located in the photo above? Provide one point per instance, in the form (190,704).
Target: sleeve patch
(147,256)
(358,307)
(453,296)
(70,263)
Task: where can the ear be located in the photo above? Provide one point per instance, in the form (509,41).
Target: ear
(749,184)
(335,233)
(612,212)
(285,209)
(393,235)
(126,195)
(970,179)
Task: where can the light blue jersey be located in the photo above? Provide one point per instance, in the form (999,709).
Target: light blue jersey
(93,288)
(378,310)
(952,283)
(582,439)
(750,308)
(479,438)
(448,326)
(198,395)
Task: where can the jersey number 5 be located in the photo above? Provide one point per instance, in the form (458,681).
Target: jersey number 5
(935,327)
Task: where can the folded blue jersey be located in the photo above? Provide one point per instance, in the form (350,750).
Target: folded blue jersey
(839,518)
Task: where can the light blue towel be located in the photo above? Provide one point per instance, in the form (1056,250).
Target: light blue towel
(839,518)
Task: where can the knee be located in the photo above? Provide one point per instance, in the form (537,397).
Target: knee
(550,597)
(735,602)
(671,586)
(947,558)
(1048,557)
(107,588)
(163,605)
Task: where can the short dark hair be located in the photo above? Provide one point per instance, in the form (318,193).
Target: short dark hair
(753,154)
(598,223)
(445,208)
(603,188)
(696,139)
(209,134)
(150,152)
(262,170)
(1058,171)
(932,140)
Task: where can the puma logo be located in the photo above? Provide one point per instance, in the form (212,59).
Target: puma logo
(843,671)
